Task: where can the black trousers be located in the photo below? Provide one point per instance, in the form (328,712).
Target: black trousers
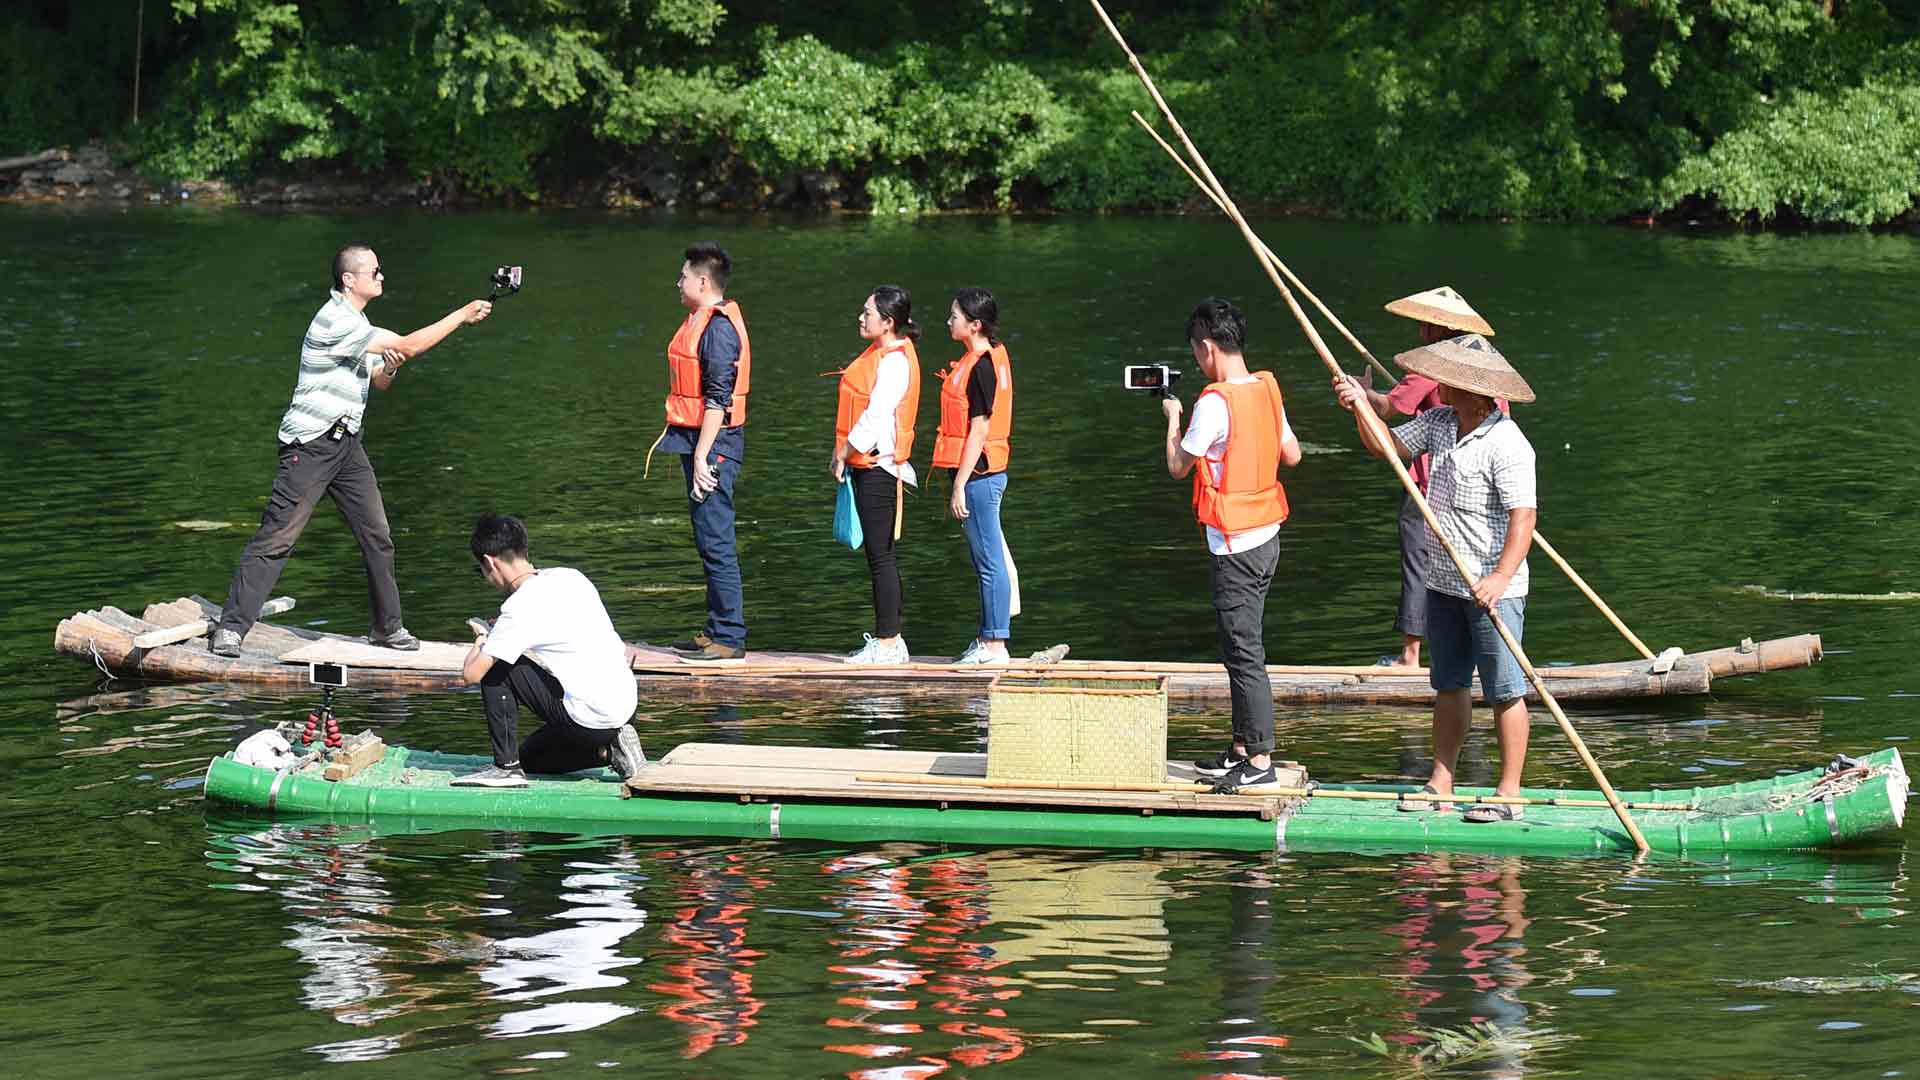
(561,745)
(874,497)
(319,466)
(1240,584)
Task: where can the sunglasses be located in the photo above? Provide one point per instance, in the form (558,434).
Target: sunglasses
(376,272)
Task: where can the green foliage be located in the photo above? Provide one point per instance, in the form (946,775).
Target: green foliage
(1850,156)
(810,107)
(1412,109)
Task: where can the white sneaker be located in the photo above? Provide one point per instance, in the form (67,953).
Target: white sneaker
(875,651)
(977,653)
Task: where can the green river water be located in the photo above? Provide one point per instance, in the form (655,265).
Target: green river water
(1715,412)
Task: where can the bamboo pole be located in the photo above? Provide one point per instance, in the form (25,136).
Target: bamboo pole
(1268,252)
(1581,584)
(1374,425)
(997,784)
(1327,313)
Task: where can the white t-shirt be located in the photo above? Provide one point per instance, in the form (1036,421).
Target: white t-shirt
(555,618)
(1206,438)
(873,432)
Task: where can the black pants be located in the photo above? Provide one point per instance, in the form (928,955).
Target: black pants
(875,496)
(319,466)
(1240,585)
(561,745)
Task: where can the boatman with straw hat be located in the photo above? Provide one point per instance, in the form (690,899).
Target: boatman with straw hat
(1441,313)
(1481,491)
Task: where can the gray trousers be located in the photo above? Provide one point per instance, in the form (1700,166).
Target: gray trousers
(1412,618)
(319,466)
(1240,584)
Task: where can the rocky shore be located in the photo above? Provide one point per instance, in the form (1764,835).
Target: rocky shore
(91,174)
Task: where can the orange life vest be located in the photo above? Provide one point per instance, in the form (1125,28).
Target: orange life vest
(856,389)
(954,422)
(686,405)
(1248,495)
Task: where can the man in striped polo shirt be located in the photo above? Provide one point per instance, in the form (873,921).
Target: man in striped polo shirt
(343,357)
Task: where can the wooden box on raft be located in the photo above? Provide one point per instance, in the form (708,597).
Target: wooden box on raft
(1103,728)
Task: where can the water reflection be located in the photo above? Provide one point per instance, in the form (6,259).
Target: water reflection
(1465,939)
(704,949)
(373,957)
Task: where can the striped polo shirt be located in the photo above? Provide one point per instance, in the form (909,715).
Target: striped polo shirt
(335,376)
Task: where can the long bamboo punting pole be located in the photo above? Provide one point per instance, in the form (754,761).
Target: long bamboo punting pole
(1581,584)
(931,780)
(1379,430)
(1327,313)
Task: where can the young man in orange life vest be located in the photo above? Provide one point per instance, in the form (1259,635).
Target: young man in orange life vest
(1235,446)
(708,363)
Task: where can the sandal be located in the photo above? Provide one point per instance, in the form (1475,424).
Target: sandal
(1421,806)
(1487,813)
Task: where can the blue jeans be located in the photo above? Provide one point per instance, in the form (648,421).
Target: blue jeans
(1461,639)
(988,545)
(713,538)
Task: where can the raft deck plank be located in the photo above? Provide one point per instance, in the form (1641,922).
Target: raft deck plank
(276,655)
(754,772)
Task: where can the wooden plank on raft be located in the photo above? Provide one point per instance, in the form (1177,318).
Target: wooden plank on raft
(775,772)
(359,752)
(437,656)
(194,628)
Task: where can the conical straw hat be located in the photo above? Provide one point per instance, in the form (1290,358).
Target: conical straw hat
(1442,307)
(1467,363)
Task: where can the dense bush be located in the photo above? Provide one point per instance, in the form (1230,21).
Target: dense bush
(1419,109)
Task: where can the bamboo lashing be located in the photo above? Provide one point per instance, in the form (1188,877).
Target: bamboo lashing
(1375,426)
(1327,313)
(925,779)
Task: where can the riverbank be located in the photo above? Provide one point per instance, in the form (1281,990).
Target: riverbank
(96,174)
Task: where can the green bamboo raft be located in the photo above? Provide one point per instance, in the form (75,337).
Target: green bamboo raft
(840,796)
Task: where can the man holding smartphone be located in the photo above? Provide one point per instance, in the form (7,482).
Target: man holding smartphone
(1235,446)
(553,650)
(342,358)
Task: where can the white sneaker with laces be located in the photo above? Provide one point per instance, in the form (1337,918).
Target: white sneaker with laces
(978,653)
(876,651)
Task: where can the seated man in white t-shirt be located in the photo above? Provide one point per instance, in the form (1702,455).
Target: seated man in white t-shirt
(554,650)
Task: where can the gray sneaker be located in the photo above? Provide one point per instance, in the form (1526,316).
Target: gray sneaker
(626,756)
(224,643)
(400,639)
(501,776)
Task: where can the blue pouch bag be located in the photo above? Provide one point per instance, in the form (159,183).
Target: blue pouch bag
(846,519)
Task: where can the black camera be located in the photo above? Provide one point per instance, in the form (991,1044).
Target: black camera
(1156,379)
(506,279)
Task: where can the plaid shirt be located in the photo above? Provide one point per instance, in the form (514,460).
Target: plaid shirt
(1477,479)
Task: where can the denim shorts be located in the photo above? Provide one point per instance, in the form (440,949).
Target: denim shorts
(1461,639)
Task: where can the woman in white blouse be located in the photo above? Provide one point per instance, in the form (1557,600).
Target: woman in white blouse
(873,438)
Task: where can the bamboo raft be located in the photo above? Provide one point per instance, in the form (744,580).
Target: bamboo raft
(274,655)
(843,795)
